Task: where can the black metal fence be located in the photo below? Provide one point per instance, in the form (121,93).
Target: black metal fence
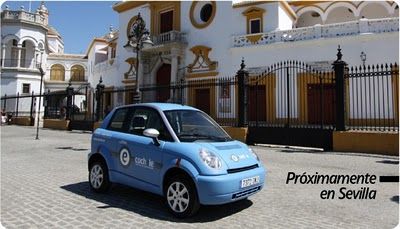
(288,94)
(216,97)
(291,94)
(20,105)
(373,97)
(55,104)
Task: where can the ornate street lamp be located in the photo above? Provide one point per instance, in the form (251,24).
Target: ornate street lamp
(363,57)
(138,38)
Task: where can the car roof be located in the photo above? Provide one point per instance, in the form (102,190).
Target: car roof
(164,106)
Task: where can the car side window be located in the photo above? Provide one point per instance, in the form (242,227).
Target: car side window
(119,120)
(152,119)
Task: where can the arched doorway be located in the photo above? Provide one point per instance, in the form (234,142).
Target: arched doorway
(372,10)
(163,80)
(340,14)
(309,18)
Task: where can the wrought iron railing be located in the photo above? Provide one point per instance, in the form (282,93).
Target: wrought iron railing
(373,97)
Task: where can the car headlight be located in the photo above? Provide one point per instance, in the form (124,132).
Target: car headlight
(251,151)
(210,159)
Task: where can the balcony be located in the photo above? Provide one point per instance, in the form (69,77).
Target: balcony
(169,37)
(166,41)
(19,65)
(362,26)
(24,16)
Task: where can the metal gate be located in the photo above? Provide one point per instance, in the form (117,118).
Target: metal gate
(291,103)
(80,112)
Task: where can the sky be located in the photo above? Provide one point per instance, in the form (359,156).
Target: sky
(78,22)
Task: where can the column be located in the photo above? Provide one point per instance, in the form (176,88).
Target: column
(174,65)
(174,73)
(363,25)
(3,54)
(34,62)
(19,56)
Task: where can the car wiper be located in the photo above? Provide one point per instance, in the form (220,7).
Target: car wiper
(194,135)
(203,136)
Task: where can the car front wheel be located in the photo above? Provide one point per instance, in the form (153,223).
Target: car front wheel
(98,177)
(181,197)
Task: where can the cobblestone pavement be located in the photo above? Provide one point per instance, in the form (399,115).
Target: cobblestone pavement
(44,185)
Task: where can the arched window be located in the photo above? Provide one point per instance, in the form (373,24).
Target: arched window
(57,72)
(14,54)
(23,55)
(77,73)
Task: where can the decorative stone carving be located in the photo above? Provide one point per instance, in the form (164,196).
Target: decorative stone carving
(201,61)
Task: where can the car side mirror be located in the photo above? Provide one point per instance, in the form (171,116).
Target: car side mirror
(152,133)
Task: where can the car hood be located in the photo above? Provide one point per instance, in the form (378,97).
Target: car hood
(235,154)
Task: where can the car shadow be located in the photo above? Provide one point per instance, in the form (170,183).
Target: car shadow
(151,205)
(395,199)
(392,162)
(385,158)
(71,148)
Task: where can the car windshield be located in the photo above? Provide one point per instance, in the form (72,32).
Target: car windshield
(191,125)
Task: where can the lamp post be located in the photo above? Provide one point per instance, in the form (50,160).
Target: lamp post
(363,57)
(39,66)
(138,37)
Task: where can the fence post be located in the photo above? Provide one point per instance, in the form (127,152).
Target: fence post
(86,101)
(46,103)
(181,88)
(31,112)
(339,67)
(5,102)
(99,98)
(70,92)
(16,110)
(242,95)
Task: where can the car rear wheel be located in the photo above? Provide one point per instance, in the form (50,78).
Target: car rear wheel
(98,177)
(181,197)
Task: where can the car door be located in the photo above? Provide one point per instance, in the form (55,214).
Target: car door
(146,156)
(116,143)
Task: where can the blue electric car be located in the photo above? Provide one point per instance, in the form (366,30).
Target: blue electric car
(175,151)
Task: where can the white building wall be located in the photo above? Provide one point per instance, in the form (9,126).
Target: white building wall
(374,45)
(285,21)
(12,81)
(121,53)
(238,20)
(220,45)
(271,18)
(55,45)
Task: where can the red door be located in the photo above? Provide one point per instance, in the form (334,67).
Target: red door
(166,21)
(203,100)
(321,103)
(163,82)
(256,103)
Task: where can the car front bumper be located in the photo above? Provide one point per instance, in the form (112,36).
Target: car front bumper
(213,190)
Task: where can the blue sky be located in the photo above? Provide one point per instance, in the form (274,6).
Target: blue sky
(78,22)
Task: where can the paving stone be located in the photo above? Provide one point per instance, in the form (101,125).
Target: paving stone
(44,185)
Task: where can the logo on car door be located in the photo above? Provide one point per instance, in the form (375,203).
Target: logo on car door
(124,157)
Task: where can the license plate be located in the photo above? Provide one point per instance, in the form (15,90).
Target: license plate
(250,181)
